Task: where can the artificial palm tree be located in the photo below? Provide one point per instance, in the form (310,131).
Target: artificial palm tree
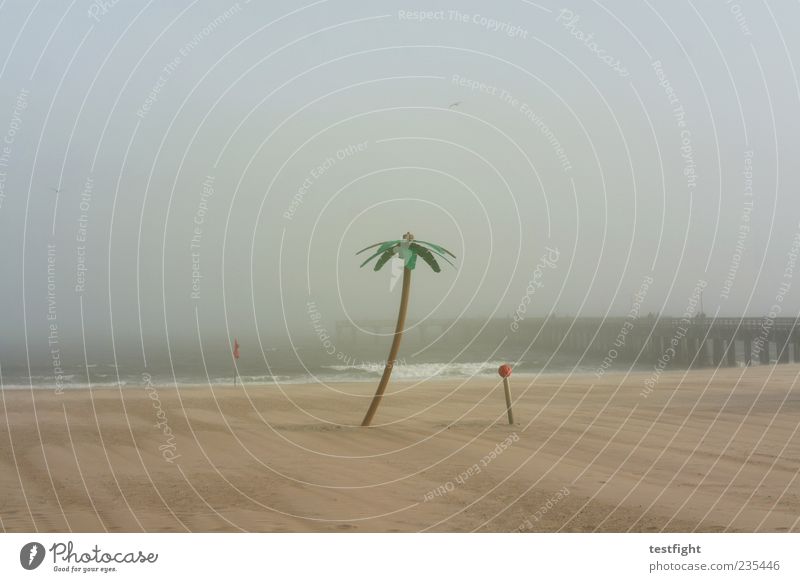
(408,250)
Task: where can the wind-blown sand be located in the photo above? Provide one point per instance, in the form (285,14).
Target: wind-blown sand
(701,452)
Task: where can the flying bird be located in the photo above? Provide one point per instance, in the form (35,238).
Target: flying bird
(456,104)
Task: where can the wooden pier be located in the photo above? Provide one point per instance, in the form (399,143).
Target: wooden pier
(695,342)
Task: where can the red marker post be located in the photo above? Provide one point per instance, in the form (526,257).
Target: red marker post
(505,372)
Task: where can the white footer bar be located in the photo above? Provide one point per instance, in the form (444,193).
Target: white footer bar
(387,557)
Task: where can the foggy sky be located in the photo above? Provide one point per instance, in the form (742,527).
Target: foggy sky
(248,118)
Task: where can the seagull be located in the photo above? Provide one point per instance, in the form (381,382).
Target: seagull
(56,190)
(456,104)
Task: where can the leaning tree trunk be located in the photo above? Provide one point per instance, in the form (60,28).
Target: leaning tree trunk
(398,335)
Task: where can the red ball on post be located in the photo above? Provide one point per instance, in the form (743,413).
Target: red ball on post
(505,372)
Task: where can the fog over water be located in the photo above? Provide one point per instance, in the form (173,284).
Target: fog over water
(174,175)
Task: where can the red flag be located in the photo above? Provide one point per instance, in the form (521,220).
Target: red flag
(236,348)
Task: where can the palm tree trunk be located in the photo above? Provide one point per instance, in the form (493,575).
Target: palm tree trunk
(398,335)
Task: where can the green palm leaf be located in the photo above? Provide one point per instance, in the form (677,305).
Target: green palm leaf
(411,261)
(413,245)
(383,245)
(437,247)
(384,257)
(369,259)
(428,257)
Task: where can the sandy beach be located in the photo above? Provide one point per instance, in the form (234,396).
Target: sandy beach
(705,451)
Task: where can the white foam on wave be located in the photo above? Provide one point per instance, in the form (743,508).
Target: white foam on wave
(418,371)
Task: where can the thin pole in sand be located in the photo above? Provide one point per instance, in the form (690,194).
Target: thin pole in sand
(235,357)
(505,372)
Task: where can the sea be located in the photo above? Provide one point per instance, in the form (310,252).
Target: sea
(261,364)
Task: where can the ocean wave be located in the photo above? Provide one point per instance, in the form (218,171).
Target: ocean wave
(418,371)
(328,374)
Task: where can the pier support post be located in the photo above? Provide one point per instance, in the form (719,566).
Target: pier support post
(684,356)
(782,346)
(764,352)
(731,352)
(717,351)
(699,354)
(703,358)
